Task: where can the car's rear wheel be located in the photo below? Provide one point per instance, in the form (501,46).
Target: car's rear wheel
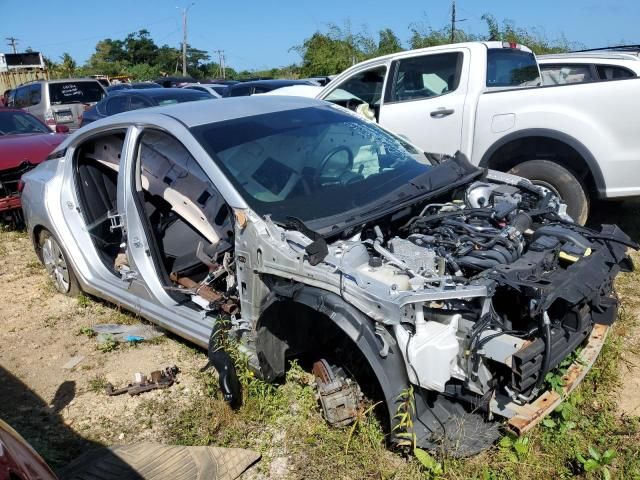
(57,266)
(560,181)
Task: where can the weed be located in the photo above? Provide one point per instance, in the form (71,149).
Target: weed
(516,448)
(98,383)
(107,343)
(596,462)
(88,331)
(84,301)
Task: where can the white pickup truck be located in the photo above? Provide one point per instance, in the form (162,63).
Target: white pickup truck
(581,140)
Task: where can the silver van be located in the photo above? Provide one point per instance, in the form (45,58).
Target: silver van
(59,102)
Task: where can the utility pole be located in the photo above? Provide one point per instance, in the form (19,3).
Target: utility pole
(184,38)
(13,41)
(222,69)
(453,21)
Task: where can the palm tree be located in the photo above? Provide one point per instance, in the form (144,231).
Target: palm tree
(67,65)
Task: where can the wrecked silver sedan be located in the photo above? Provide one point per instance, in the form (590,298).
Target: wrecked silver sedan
(318,235)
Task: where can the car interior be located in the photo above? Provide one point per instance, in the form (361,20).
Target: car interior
(188,222)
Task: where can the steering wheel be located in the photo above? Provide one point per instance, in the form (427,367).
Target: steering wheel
(326,161)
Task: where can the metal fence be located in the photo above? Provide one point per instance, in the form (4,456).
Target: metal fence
(14,78)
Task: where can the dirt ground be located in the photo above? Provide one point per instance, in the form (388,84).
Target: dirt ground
(62,412)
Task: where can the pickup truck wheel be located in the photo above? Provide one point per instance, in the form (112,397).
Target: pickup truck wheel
(559,180)
(57,266)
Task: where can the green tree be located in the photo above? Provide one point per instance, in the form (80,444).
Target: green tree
(388,42)
(67,66)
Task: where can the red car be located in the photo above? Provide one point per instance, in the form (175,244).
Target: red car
(24,142)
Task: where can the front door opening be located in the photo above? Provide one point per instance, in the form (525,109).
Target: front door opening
(188,223)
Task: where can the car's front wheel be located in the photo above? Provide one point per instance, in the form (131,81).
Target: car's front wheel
(57,265)
(560,181)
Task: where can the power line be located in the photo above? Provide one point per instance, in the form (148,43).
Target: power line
(12,41)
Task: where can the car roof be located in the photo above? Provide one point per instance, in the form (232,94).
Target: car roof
(593,56)
(152,92)
(273,83)
(193,114)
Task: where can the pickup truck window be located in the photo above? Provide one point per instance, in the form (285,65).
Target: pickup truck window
(609,72)
(363,87)
(563,74)
(427,76)
(511,67)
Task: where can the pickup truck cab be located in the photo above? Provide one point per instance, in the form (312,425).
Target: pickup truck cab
(485,100)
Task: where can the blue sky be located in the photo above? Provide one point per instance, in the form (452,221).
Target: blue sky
(258,35)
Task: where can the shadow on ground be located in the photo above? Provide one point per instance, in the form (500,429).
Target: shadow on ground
(41,424)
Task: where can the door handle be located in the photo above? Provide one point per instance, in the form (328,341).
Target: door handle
(442,112)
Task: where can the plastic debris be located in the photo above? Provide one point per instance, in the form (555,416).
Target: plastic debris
(126,333)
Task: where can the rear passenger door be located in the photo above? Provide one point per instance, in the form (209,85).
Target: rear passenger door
(425,99)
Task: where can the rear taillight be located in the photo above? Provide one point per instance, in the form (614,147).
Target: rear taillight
(20,186)
(49,117)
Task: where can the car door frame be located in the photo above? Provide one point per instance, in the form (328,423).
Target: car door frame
(463,83)
(155,302)
(94,275)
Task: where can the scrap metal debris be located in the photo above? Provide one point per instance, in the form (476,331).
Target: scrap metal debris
(159,379)
(339,396)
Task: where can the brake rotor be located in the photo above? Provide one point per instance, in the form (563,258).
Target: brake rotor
(323,371)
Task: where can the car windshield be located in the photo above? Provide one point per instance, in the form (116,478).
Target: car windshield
(13,123)
(312,163)
(75,92)
(511,67)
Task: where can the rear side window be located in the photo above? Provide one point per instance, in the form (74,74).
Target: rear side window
(563,74)
(22,97)
(35,94)
(510,67)
(75,92)
(240,91)
(117,104)
(607,72)
(428,76)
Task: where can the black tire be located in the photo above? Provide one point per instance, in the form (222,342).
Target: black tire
(57,266)
(561,181)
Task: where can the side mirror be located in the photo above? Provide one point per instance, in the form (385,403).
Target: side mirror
(62,129)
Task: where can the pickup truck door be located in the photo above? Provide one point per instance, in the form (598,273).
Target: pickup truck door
(425,99)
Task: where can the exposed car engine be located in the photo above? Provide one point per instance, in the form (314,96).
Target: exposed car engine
(495,287)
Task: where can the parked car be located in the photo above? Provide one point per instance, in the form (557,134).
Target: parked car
(130,99)
(134,85)
(174,82)
(484,100)
(209,88)
(220,85)
(260,86)
(589,66)
(309,91)
(317,233)
(24,142)
(19,460)
(59,102)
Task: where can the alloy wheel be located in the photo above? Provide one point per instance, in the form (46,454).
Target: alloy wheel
(56,265)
